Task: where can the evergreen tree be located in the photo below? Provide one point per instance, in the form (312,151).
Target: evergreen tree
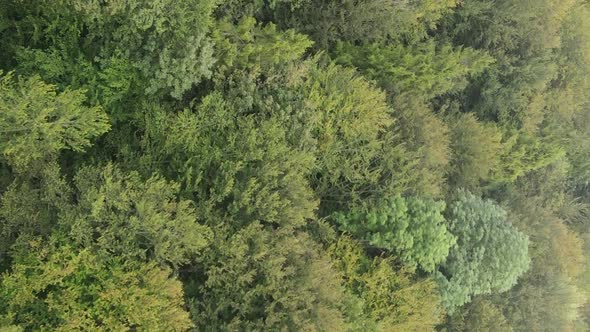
(37,122)
(412,228)
(490,254)
(64,289)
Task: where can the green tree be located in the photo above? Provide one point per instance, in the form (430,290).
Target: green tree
(382,296)
(362,22)
(248,45)
(165,41)
(37,122)
(523,153)
(548,297)
(118,214)
(413,228)
(65,289)
(479,315)
(475,150)
(490,254)
(426,136)
(348,126)
(265,279)
(236,167)
(422,71)
(29,207)
(524,38)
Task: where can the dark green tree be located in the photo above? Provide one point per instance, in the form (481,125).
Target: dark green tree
(265,279)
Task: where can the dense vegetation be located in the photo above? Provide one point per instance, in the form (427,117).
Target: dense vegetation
(294,165)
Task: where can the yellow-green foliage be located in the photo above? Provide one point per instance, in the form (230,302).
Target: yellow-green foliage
(390,296)
(265,279)
(475,150)
(66,290)
(37,122)
(121,214)
(232,143)
(357,152)
(235,167)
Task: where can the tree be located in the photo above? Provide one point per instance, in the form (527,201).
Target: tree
(37,122)
(236,167)
(347,125)
(29,208)
(523,38)
(490,253)
(424,71)
(64,289)
(523,153)
(118,214)
(383,296)
(264,279)
(475,150)
(479,315)
(549,303)
(426,136)
(361,22)
(412,228)
(248,45)
(550,295)
(166,41)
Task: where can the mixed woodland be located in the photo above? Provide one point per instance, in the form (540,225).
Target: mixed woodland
(294,165)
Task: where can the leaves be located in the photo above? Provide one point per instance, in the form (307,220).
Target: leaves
(490,254)
(65,290)
(37,123)
(412,228)
(119,214)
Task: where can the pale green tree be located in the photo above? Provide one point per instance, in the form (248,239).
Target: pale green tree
(413,228)
(490,254)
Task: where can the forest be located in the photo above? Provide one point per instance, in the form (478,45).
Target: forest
(295,165)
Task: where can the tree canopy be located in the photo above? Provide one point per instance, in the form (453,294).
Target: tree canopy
(295,165)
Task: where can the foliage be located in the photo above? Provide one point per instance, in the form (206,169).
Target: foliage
(426,136)
(524,153)
(358,155)
(490,253)
(288,161)
(166,41)
(329,21)
(264,279)
(29,207)
(548,297)
(411,227)
(247,45)
(64,290)
(523,37)
(383,297)
(479,315)
(475,150)
(121,214)
(236,166)
(425,70)
(36,122)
